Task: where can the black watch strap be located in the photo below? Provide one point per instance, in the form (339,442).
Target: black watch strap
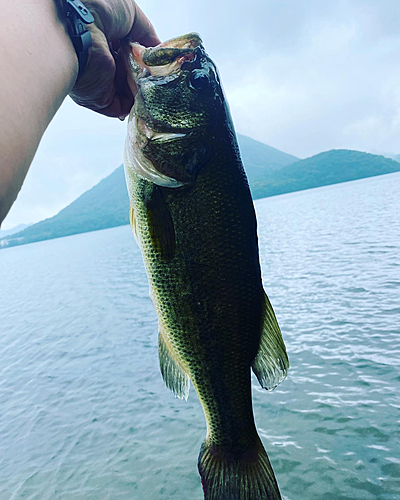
(78,16)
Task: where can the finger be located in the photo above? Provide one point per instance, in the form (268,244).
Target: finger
(114,110)
(96,88)
(143,31)
(126,104)
(150,40)
(115,45)
(121,98)
(122,87)
(119,108)
(120,74)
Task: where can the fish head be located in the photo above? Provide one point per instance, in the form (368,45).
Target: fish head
(178,104)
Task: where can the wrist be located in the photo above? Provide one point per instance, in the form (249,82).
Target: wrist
(70,58)
(78,19)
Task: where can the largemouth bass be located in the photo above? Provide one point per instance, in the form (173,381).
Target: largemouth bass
(193,217)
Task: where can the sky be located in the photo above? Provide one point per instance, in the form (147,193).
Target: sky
(303,76)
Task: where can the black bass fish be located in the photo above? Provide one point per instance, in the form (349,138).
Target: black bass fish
(193,217)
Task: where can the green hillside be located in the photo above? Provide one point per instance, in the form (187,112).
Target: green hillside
(330,167)
(259,157)
(16,229)
(393,157)
(106,204)
(270,172)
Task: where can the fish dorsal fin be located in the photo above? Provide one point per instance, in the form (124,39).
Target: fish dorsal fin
(160,224)
(271,363)
(174,376)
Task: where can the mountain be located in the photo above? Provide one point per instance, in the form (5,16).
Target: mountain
(270,172)
(392,156)
(16,229)
(106,204)
(259,157)
(330,167)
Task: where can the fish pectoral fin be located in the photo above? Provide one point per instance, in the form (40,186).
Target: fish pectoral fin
(271,363)
(132,221)
(174,375)
(160,224)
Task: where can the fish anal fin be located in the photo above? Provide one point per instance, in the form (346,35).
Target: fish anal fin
(160,224)
(174,376)
(271,363)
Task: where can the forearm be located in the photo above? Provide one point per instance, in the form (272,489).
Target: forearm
(38,70)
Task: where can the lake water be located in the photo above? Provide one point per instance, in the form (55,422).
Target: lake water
(84,413)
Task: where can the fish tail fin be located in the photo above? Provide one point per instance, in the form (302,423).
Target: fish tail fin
(249,477)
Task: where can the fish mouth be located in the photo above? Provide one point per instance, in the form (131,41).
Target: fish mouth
(162,64)
(162,60)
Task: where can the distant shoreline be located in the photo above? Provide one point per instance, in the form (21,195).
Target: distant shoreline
(270,173)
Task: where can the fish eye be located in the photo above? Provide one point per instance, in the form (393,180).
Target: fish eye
(199,79)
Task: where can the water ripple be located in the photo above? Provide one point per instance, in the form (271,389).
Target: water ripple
(84,414)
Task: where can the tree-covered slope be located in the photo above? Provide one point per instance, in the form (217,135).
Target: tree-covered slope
(106,204)
(270,172)
(331,167)
(259,158)
(16,229)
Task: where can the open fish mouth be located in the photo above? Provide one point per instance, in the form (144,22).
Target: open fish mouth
(162,60)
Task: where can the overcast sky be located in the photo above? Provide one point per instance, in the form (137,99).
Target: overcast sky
(303,76)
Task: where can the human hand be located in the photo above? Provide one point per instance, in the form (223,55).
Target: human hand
(103,86)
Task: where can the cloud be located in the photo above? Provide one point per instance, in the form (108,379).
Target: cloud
(327,90)
(303,76)
(78,149)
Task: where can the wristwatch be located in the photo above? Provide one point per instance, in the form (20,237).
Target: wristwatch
(78,16)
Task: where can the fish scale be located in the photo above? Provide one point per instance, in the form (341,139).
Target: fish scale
(200,249)
(206,254)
